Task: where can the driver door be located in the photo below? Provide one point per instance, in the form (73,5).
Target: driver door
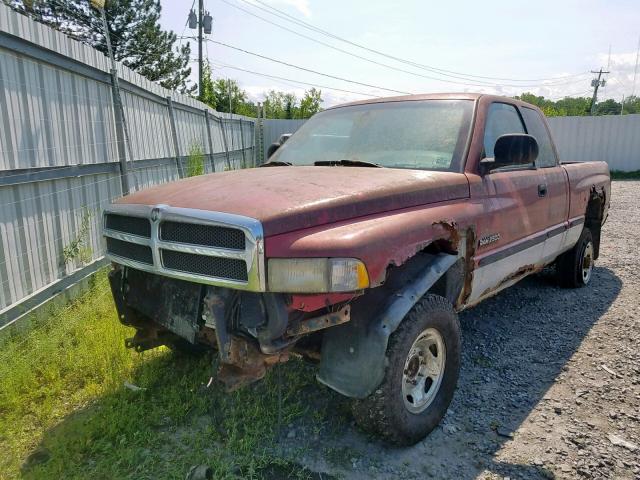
(511,232)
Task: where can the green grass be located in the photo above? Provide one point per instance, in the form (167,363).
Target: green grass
(618,175)
(64,412)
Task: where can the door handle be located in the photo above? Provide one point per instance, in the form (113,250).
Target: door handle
(542,190)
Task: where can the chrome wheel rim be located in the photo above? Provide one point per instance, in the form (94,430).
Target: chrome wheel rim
(587,263)
(423,370)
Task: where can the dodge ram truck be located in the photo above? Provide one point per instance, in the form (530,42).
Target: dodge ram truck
(355,246)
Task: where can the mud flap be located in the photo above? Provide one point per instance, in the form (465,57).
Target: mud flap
(353,357)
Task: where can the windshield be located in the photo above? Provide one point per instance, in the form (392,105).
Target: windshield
(428,134)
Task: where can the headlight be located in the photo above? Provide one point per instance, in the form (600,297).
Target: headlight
(316,275)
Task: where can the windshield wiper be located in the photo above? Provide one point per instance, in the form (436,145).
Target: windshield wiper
(346,163)
(276,163)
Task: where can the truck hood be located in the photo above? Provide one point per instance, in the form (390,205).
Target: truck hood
(292,198)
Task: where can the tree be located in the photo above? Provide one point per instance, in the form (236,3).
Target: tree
(310,103)
(631,105)
(215,93)
(285,105)
(608,107)
(137,39)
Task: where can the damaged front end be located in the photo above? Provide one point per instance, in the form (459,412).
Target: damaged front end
(251,331)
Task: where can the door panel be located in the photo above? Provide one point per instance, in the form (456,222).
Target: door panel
(555,180)
(511,235)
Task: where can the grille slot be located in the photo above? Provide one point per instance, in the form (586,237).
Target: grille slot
(229,268)
(205,235)
(132,225)
(132,251)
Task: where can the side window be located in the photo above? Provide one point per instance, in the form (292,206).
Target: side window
(535,126)
(502,118)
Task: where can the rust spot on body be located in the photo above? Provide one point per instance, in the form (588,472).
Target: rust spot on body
(450,226)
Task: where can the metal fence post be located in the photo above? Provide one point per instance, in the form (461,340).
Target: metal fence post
(174,136)
(224,140)
(244,157)
(120,137)
(207,121)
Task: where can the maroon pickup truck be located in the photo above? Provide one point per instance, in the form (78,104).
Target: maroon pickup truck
(355,246)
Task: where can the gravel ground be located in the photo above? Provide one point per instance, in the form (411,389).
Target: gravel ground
(549,387)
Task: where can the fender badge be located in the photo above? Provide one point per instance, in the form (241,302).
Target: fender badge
(494,237)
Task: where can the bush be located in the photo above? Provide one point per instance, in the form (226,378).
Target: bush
(195,162)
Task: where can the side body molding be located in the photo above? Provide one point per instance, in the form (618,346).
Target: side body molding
(353,358)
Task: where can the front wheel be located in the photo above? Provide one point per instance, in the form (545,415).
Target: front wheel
(423,365)
(574,268)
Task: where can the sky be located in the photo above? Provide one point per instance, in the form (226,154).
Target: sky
(546,47)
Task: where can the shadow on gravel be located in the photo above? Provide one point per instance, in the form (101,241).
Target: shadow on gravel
(515,346)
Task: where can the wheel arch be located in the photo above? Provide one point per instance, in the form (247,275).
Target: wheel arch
(594,217)
(353,358)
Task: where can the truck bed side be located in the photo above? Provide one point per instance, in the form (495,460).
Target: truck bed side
(585,180)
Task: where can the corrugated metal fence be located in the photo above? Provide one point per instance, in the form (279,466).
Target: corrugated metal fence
(612,138)
(60,162)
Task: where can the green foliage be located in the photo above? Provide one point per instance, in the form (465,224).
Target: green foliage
(134,28)
(580,106)
(217,93)
(285,105)
(195,162)
(631,105)
(310,103)
(64,409)
(78,249)
(618,175)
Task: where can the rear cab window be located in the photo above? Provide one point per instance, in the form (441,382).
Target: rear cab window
(536,127)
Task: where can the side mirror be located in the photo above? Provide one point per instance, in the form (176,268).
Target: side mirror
(511,150)
(272,149)
(276,145)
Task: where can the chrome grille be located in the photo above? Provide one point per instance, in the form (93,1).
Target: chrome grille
(201,246)
(132,251)
(205,235)
(133,225)
(188,262)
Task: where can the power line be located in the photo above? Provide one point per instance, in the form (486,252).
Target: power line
(476,83)
(285,16)
(479,83)
(226,65)
(304,69)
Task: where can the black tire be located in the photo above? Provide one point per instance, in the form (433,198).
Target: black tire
(384,412)
(570,265)
(186,348)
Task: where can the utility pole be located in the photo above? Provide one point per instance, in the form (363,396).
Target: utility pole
(200,12)
(203,22)
(596,83)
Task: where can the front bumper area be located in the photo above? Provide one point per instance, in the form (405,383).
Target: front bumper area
(251,331)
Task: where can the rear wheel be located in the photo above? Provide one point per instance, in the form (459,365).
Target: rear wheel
(423,365)
(575,267)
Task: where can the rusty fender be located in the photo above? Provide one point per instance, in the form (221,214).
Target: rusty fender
(354,354)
